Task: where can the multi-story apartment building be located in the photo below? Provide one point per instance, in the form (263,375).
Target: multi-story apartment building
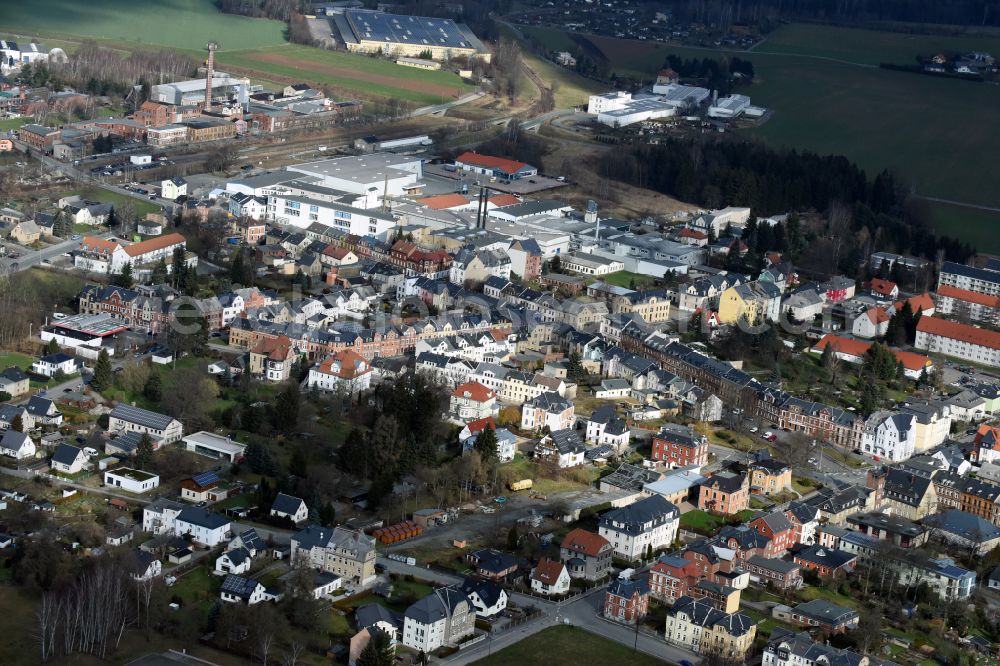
(679,446)
(963,341)
(639,528)
(342,551)
(697,625)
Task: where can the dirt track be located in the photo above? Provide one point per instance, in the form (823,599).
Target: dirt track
(343,72)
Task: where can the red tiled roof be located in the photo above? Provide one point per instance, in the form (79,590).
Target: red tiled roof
(276,349)
(98,245)
(442,201)
(350,362)
(912,360)
(481,424)
(848,346)
(961,332)
(882,287)
(153,244)
(584,541)
(335,251)
(491,162)
(474,391)
(877,315)
(969,296)
(920,303)
(501,200)
(547,571)
(692,233)
(986,430)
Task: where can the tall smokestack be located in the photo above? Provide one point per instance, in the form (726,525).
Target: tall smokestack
(210,68)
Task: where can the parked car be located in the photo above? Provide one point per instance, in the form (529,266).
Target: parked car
(753,430)
(767,435)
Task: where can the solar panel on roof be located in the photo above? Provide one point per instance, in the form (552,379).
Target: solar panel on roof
(205,478)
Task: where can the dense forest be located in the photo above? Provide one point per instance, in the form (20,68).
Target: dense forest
(727,12)
(771,181)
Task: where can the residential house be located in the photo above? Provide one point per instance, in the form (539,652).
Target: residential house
(160,516)
(550,577)
(890,436)
(898,531)
(17,445)
(52,364)
(962,341)
(292,508)
(547,409)
(773,572)
(872,323)
(14,382)
(724,492)
(769,476)
(638,529)
(586,555)
(561,448)
(346,371)
(492,564)
(237,589)
(506,440)
(204,526)
(778,529)
(472,401)
(342,551)
(882,288)
(271,359)
(43,411)
(444,617)
(679,446)
(161,428)
(786,648)
(68,459)
(626,601)
(753,303)
(25,232)
(605,428)
(235,561)
(827,616)
(173,188)
(826,562)
(486,596)
(695,624)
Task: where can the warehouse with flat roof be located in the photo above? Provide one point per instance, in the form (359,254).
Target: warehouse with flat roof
(398,35)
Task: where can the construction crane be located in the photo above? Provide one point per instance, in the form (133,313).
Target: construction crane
(209,69)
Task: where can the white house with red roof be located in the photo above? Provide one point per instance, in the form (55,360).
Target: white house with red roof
(472,401)
(500,168)
(550,577)
(147,252)
(94,254)
(882,288)
(346,371)
(872,323)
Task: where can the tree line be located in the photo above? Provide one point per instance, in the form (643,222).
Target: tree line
(767,13)
(714,173)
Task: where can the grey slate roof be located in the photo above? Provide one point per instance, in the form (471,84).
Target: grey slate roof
(66,454)
(142,417)
(630,519)
(370,614)
(202,518)
(438,604)
(286,504)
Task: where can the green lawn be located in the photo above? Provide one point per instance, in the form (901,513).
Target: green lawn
(13,123)
(197,586)
(627,279)
(708,523)
(567,646)
(978,227)
(185,24)
(8,359)
(354,75)
(823,592)
(101,195)
(935,133)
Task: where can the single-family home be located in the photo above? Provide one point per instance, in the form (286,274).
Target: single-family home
(206,527)
(586,554)
(472,401)
(550,577)
(724,492)
(346,371)
(235,561)
(547,409)
(562,449)
(626,601)
(486,596)
(172,188)
(292,508)
(161,428)
(14,382)
(52,364)
(828,616)
(17,445)
(68,459)
(237,589)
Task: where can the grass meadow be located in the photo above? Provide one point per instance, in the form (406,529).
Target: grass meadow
(182,24)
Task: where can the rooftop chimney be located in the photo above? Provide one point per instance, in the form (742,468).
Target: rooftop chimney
(209,69)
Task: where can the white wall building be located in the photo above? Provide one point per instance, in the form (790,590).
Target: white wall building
(631,530)
(890,436)
(132,480)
